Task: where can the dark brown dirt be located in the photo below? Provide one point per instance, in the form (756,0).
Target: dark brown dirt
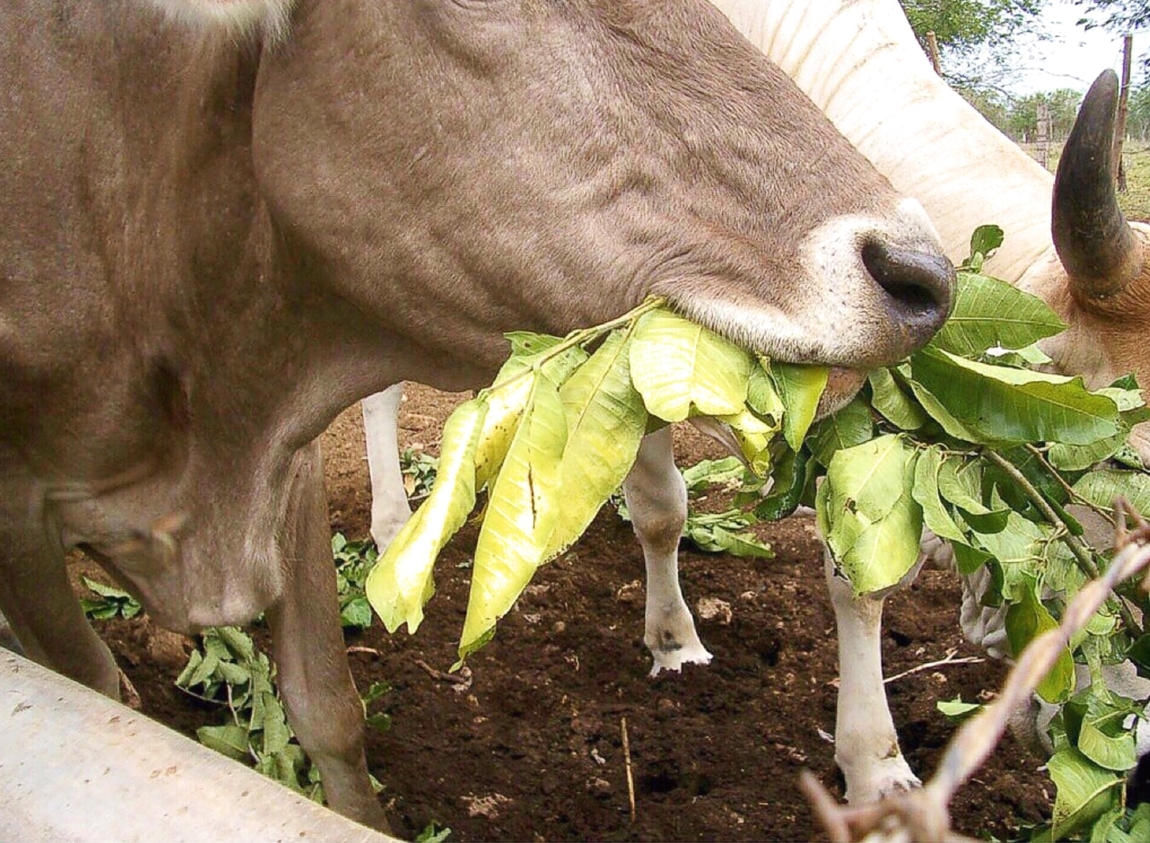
(532,749)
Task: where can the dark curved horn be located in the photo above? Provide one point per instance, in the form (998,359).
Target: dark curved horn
(1094,243)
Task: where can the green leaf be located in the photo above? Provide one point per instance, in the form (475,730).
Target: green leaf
(985,240)
(230,740)
(799,388)
(938,411)
(356,613)
(989,313)
(1019,542)
(717,538)
(1104,741)
(1139,654)
(679,367)
(960,483)
(706,473)
(956,709)
(605,420)
(872,523)
(522,514)
(528,343)
(925,492)
(1100,488)
(761,395)
(1011,405)
(754,437)
(1084,791)
(1025,621)
(791,477)
(401,583)
(848,427)
(895,405)
(506,401)
(237,642)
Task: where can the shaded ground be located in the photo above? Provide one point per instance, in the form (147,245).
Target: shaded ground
(532,748)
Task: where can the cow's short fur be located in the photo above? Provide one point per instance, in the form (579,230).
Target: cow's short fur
(214,237)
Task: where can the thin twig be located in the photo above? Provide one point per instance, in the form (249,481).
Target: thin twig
(371,651)
(627,764)
(452,678)
(1053,474)
(950,659)
(1080,551)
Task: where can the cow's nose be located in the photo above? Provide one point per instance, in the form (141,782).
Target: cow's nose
(920,284)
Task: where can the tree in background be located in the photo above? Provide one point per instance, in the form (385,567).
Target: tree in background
(1116,15)
(1022,122)
(964,25)
(1138,116)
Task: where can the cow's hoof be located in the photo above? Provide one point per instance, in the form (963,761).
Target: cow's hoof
(885,777)
(674,659)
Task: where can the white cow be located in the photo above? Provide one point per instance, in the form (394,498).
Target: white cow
(860,63)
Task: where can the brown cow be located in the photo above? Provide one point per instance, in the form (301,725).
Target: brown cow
(225,222)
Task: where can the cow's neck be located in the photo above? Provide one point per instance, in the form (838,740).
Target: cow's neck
(861,65)
(219,357)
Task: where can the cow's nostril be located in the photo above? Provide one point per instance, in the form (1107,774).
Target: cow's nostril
(921,283)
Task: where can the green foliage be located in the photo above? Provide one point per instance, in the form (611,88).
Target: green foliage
(957,710)
(432,833)
(990,457)
(419,470)
(230,670)
(1062,105)
(353,561)
(555,435)
(719,532)
(961,25)
(109,603)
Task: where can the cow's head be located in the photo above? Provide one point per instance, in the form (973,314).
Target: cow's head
(458,168)
(1099,280)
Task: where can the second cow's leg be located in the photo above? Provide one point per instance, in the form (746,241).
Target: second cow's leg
(866,744)
(311,657)
(657,498)
(389,507)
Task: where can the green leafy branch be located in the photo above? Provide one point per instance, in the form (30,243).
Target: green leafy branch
(1005,463)
(555,435)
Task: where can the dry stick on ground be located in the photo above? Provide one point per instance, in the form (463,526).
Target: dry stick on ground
(627,763)
(923,815)
(950,659)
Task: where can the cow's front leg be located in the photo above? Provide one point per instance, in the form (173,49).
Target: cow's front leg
(389,507)
(657,498)
(311,658)
(44,616)
(866,744)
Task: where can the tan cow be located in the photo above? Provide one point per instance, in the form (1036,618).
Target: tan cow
(224,222)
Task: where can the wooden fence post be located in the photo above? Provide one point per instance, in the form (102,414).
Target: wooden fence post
(1042,133)
(1123,110)
(932,48)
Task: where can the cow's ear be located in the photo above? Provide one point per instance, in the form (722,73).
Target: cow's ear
(241,18)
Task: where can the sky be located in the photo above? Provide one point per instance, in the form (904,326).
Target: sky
(1073,57)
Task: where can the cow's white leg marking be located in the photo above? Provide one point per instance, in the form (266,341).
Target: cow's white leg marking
(657,497)
(866,744)
(311,657)
(41,608)
(389,507)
